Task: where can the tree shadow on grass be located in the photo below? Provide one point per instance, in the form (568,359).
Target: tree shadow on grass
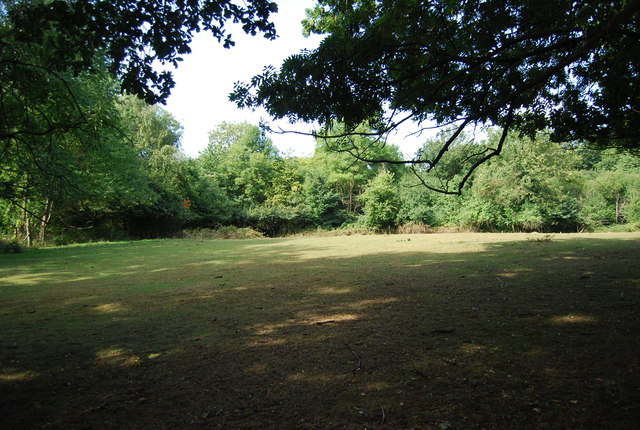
(294,334)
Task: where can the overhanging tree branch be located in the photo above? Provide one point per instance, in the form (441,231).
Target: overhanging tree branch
(568,67)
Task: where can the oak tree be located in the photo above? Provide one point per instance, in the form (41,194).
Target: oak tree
(564,65)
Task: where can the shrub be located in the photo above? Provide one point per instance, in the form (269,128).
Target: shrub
(224,232)
(414,228)
(380,202)
(7,247)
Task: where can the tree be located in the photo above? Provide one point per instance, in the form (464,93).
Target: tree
(322,203)
(333,159)
(62,148)
(533,186)
(155,135)
(612,190)
(567,66)
(241,159)
(132,35)
(48,46)
(380,201)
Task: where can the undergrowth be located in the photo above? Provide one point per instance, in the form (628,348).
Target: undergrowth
(224,232)
(8,247)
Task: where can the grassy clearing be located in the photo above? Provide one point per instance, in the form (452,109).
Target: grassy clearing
(425,331)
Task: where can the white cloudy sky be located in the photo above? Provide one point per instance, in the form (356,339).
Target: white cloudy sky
(206,77)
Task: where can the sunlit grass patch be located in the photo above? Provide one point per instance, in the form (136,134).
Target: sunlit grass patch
(118,357)
(108,308)
(574,319)
(12,375)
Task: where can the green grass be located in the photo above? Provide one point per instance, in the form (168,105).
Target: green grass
(423,331)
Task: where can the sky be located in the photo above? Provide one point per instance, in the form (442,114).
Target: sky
(204,79)
(206,76)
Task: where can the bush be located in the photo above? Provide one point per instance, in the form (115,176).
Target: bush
(103,232)
(617,228)
(276,220)
(225,232)
(380,202)
(414,228)
(8,247)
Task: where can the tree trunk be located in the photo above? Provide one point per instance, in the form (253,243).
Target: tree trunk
(618,208)
(351,204)
(27,224)
(44,220)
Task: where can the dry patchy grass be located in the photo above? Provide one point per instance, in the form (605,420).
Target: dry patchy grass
(426,331)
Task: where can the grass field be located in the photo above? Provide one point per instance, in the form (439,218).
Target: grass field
(442,331)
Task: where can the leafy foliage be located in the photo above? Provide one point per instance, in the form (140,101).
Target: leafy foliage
(242,160)
(131,35)
(381,202)
(569,67)
(150,189)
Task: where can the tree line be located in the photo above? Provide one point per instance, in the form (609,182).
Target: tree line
(134,181)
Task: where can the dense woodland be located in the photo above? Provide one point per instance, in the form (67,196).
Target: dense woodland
(133,181)
(85,157)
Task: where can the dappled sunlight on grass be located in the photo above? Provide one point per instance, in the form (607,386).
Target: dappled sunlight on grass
(373,386)
(81,300)
(573,319)
(219,262)
(426,264)
(303,319)
(117,357)
(264,329)
(333,290)
(207,296)
(472,348)
(28,279)
(12,375)
(268,342)
(320,319)
(513,273)
(363,305)
(109,308)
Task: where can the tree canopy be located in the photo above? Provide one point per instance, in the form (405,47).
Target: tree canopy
(63,62)
(133,35)
(570,67)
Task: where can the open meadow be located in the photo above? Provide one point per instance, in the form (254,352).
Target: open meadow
(440,331)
